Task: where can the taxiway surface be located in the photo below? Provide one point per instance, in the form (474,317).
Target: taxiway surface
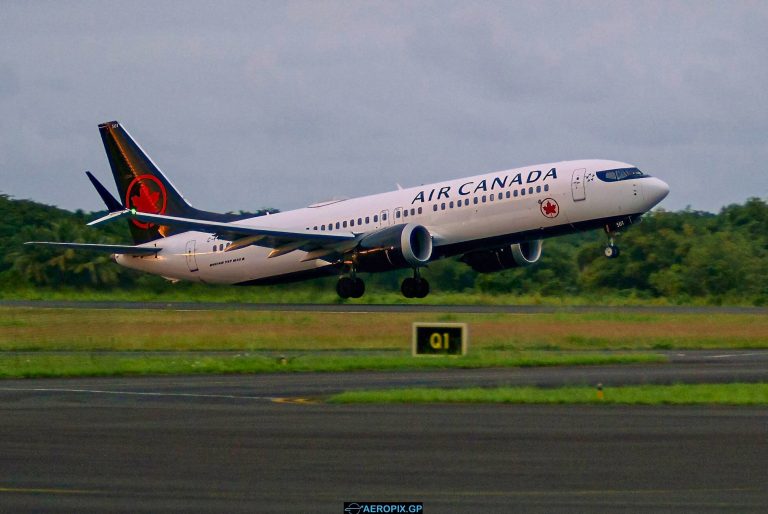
(252,444)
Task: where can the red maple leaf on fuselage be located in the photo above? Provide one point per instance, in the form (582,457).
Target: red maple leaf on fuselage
(550,209)
(146,201)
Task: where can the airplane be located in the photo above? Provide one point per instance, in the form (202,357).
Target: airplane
(492,222)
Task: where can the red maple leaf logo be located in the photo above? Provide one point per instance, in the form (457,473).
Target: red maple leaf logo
(147,194)
(146,201)
(549,208)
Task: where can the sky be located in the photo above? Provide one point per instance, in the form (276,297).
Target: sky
(246,105)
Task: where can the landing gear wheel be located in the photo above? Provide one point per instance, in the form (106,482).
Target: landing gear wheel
(348,287)
(408,287)
(422,288)
(344,287)
(612,251)
(358,287)
(415,287)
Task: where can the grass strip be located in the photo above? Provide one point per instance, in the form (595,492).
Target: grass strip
(677,394)
(83,364)
(34,329)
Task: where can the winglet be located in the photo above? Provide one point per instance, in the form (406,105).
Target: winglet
(112,204)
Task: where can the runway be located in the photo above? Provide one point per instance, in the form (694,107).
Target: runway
(258,444)
(381,308)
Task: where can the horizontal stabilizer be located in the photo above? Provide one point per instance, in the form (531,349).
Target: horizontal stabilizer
(121,249)
(110,217)
(112,204)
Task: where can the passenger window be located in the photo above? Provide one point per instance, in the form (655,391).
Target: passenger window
(483,198)
(384,217)
(351,223)
(546,187)
(538,189)
(413,211)
(322,227)
(405,213)
(530,190)
(434,207)
(359,221)
(338,225)
(475,200)
(314,228)
(451,204)
(397,214)
(419,210)
(375,218)
(492,197)
(522,192)
(367,220)
(442,206)
(344,224)
(508,195)
(501,195)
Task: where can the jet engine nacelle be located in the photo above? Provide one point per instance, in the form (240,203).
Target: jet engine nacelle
(518,254)
(400,246)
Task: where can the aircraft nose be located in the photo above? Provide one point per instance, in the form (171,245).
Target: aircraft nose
(655,190)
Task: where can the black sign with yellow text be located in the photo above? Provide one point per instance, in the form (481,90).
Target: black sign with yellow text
(440,338)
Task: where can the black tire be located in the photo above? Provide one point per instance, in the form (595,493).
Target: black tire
(358,287)
(422,288)
(611,251)
(345,287)
(408,288)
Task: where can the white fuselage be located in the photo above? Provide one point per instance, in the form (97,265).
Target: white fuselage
(467,214)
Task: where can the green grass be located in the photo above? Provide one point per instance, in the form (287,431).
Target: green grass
(326,294)
(679,394)
(80,364)
(36,329)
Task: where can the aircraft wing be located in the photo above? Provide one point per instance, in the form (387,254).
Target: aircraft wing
(121,249)
(281,240)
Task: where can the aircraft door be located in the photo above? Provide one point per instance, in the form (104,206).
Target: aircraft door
(577,185)
(191,259)
(384,218)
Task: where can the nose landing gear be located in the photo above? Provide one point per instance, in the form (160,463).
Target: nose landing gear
(611,251)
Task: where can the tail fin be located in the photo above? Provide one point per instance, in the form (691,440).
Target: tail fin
(141,185)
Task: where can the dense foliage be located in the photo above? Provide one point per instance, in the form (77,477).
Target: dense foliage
(686,255)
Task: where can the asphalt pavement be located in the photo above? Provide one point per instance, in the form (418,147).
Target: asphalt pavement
(260,443)
(381,308)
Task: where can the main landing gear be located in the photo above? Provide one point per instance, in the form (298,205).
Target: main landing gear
(350,287)
(415,287)
(354,287)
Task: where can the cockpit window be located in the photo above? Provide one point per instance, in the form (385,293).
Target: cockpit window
(620,174)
